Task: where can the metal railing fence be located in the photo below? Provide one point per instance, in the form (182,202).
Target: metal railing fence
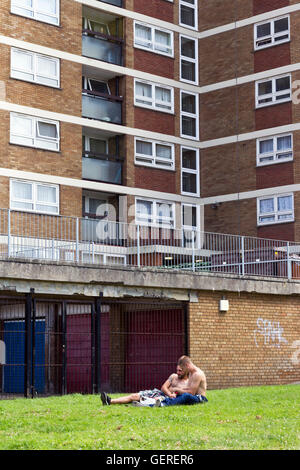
(101,242)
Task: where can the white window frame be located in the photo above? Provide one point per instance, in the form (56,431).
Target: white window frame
(276,153)
(189,115)
(87,146)
(274,94)
(192,7)
(191,171)
(272,36)
(170,223)
(34,201)
(151,45)
(37,141)
(143,159)
(189,59)
(276,213)
(33,12)
(14,69)
(153,103)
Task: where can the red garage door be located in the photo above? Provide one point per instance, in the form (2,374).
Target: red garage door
(79,353)
(156,338)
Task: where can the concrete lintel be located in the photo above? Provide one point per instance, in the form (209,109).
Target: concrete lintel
(86,280)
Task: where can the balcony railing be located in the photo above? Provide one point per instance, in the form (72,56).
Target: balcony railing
(101,242)
(104,168)
(117,3)
(101,106)
(102,47)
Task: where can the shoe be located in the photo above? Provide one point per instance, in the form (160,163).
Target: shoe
(105,398)
(158,403)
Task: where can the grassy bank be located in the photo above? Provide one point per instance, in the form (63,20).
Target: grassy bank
(241,418)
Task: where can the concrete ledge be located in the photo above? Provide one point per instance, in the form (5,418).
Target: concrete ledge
(70,279)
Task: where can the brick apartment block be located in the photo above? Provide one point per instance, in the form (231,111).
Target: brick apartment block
(139,111)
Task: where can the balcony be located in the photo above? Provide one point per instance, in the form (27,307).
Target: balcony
(102,47)
(117,3)
(99,241)
(105,168)
(100,106)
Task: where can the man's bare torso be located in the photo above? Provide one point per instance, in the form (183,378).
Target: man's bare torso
(199,376)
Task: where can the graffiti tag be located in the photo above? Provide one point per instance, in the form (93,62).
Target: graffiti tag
(271,332)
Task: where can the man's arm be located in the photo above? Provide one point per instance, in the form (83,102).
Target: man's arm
(192,386)
(166,387)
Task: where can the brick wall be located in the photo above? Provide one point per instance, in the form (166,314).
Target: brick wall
(232,348)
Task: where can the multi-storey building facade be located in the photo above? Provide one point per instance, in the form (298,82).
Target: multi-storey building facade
(249,117)
(127,128)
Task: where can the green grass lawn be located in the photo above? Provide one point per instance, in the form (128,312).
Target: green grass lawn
(240,418)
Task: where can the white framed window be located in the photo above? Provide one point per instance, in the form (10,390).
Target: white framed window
(189,115)
(95,85)
(153,96)
(155,213)
(188,59)
(275,149)
(151,38)
(275,209)
(154,153)
(42,10)
(190,178)
(34,132)
(273,90)
(94,145)
(188,13)
(33,67)
(271,32)
(34,196)
(96,26)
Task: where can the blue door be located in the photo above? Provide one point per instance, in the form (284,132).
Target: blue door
(14,339)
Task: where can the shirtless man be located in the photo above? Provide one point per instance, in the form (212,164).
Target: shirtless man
(195,389)
(147,397)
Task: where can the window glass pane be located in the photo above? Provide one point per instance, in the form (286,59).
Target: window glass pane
(187,16)
(97,146)
(266,205)
(21,190)
(188,48)
(145,148)
(188,103)
(163,151)
(266,146)
(284,143)
(143,35)
(188,126)
(188,71)
(101,87)
(281,25)
(142,89)
(285,203)
(282,83)
(46,66)
(46,129)
(189,182)
(46,194)
(162,94)
(263,30)
(265,88)
(163,41)
(22,60)
(22,125)
(46,6)
(189,159)
(189,216)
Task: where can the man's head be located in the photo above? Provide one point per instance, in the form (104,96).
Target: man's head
(185,363)
(182,374)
